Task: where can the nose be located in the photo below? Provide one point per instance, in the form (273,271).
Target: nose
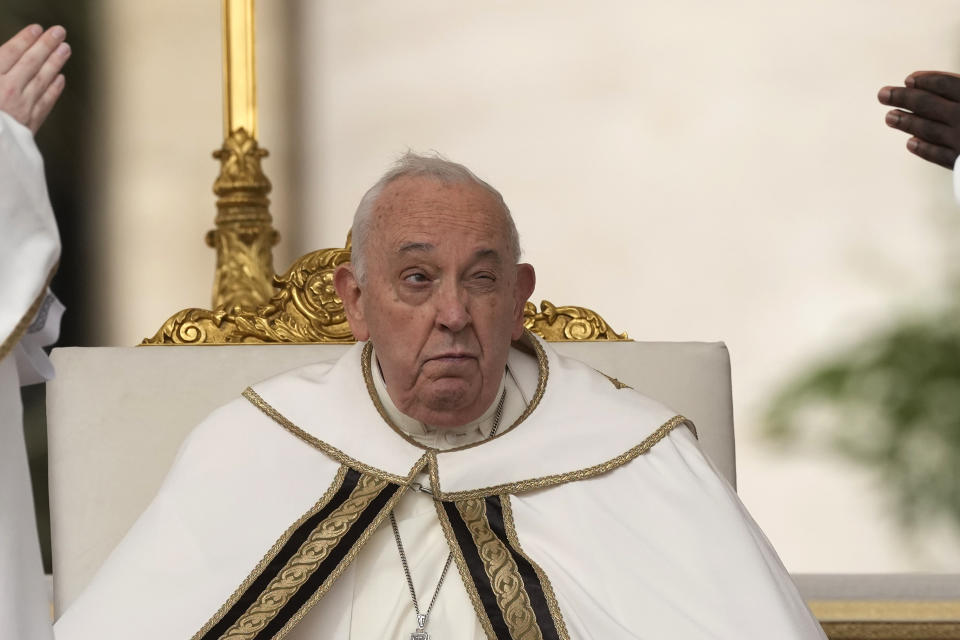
(452,311)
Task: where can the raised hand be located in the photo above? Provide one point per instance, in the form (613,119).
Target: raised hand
(929,110)
(30,78)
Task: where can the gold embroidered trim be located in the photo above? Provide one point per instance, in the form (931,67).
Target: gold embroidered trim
(433,469)
(330,450)
(305,561)
(21,327)
(548,592)
(570,476)
(346,562)
(430,455)
(543,367)
(464,571)
(617,384)
(502,571)
(268,557)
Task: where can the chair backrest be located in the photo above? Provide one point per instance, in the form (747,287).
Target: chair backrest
(116,417)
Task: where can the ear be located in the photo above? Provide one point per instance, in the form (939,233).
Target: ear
(523,289)
(348,288)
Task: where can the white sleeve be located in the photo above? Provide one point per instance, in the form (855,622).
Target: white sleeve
(29,244)
(29,250)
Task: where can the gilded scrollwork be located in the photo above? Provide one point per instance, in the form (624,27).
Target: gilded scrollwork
(561,324)
(193,326)
(304,308)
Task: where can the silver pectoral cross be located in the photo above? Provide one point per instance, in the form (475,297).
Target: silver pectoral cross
(421,632)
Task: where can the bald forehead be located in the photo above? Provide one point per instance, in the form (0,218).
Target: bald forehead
(411,192)
(427,200)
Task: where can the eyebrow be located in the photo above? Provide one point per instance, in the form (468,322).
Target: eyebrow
(411,247)
(415,247)
(488,253)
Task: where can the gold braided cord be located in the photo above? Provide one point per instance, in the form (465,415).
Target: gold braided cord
(433,470)
(532,484)
(430,456)
(328,449)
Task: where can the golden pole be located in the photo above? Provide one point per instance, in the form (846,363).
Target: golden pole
(239,71)
(244,235)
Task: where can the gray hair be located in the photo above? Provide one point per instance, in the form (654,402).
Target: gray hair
(413,165)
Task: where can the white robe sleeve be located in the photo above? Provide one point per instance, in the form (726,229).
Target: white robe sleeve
(29,250)
(29,244)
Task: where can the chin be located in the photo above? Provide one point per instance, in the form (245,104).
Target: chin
(452,407)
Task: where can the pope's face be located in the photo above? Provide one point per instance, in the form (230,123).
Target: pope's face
(442,299)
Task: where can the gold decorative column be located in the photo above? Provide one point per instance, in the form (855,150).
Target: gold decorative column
(244,235)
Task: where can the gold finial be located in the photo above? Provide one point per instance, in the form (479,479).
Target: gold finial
(244,236)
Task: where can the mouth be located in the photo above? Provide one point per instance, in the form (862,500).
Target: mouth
(452,357)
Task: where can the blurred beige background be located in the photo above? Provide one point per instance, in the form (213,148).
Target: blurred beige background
(691,170)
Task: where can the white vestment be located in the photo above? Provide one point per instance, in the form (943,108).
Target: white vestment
(29,320)
(593,515)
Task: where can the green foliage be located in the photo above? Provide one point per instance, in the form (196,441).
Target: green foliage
(892,403)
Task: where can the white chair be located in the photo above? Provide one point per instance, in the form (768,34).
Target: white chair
(116,417)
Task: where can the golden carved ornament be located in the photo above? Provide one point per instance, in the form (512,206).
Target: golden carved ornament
(244,236)
(305,308)
(561,324)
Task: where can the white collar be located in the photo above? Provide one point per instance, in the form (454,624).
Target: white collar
(438,437)
(576,424)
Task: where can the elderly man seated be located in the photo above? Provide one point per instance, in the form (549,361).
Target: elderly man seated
(449,477)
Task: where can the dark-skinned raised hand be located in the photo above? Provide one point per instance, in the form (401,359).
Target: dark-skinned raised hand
(928,108)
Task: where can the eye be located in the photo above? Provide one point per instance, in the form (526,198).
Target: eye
(415,277)
(482,281)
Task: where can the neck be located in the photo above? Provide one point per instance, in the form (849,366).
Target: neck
(436,437)
(520,383)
